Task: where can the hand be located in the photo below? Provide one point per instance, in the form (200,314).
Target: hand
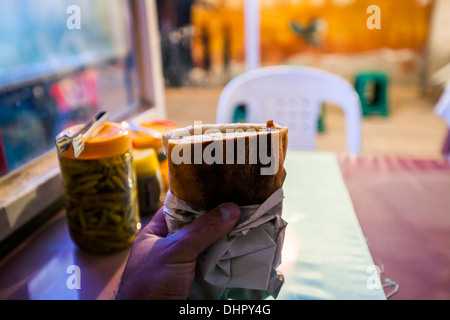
(163,267)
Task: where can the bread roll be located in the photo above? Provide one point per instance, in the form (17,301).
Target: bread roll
(216,163)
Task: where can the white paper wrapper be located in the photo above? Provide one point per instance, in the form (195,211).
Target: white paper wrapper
(242,265)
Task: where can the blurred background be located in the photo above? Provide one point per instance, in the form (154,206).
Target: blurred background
(52,76)
(410,51)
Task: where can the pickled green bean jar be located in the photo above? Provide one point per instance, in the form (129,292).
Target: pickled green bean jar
(100,194)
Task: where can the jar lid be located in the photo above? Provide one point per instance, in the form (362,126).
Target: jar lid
(145,161)
(109,140)
(143,140)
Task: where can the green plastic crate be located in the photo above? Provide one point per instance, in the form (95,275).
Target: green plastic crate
(372,88)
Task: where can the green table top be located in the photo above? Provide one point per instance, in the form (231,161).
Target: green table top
(325,254)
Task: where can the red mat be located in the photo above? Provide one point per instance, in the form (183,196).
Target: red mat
(403,206)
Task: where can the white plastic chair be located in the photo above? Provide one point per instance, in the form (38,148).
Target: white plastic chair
(292,96)
(442,108)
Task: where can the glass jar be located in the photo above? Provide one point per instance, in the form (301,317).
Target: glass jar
(100,191)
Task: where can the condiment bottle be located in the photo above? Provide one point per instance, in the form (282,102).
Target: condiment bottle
(142,140)
(100,190)
(150,185)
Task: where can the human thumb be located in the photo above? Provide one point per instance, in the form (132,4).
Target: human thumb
(212,226)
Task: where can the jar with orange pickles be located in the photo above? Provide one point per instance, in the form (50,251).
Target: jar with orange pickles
(100,190)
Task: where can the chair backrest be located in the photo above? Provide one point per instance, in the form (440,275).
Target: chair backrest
(292,96)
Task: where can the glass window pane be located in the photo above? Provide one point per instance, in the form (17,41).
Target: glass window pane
(60,62)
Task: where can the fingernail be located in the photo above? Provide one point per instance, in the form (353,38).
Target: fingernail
(229,211)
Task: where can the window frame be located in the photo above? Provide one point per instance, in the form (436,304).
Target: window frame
(32,193)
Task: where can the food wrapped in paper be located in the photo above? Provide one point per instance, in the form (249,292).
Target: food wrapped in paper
(240,163)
